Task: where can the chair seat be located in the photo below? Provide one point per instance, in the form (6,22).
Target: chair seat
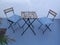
(46,21)
(14,18)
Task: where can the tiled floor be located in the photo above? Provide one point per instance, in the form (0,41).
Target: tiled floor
(49,38)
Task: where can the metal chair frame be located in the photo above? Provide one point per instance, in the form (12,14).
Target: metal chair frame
(6,11)
(47,26)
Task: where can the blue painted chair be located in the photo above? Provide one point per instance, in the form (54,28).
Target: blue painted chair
(12,18)
(46,21)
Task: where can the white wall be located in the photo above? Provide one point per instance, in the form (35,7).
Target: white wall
(40,6)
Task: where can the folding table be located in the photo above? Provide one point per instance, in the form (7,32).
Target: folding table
(27,16)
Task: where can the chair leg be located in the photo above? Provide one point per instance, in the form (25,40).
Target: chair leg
(40,26)
(19,25)
(47,27)
(10,25)
(40,23)
(44,30)
(13,29)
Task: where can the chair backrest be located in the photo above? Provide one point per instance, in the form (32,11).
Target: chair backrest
(53,13)
(28,14)
(8,10)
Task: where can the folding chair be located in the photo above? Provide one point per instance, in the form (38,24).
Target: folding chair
(46,21)
(27,16)
(13,19)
